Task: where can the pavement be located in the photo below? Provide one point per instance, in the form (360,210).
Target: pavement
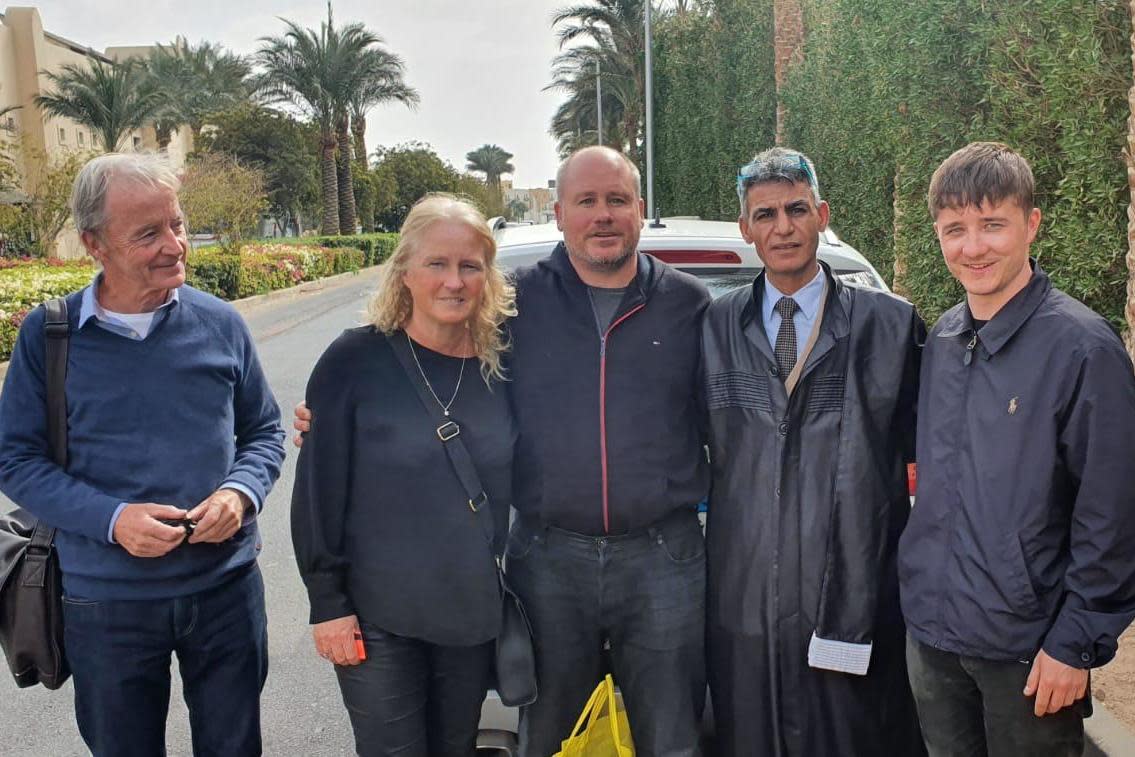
(302,711)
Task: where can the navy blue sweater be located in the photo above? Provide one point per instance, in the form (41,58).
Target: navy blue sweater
(166,419)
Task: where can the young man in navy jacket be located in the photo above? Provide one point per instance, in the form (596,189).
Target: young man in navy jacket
(1017,567)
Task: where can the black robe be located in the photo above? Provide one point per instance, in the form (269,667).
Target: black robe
(809,498)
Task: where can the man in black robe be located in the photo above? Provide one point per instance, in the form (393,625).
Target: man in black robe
(811,387)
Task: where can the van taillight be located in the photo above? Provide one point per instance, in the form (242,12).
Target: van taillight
(685,257)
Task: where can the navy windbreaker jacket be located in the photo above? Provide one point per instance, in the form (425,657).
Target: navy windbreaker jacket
(1022,535)
(610,421)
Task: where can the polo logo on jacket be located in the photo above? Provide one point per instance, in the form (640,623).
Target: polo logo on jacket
(1012,406)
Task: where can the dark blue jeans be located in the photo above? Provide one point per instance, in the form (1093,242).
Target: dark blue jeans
(120,650)
(645,593)
(411,698)
(971,707)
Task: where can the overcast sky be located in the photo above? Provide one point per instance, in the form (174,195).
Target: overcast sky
(479,65)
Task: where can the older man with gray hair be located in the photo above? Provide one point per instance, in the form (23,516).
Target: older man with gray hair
(811,386)
(174,442)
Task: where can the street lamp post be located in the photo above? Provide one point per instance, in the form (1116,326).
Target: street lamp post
(598,105)
(650,209)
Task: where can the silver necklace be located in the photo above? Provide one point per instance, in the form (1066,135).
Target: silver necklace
(443,405)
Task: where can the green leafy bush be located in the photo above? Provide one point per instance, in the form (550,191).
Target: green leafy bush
(375,247)
(265,267)
(25,284)
(889,88)
(258,268)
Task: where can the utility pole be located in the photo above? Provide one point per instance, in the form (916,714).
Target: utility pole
(598,105)
(650,209)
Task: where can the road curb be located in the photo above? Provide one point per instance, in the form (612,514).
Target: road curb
(249,303)
(1111,735)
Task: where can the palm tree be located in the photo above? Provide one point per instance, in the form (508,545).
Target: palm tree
(610,32)
(195,82)
(112,99)
(573,123)
(316,71)
(492,161)
(383,83)
(377,78)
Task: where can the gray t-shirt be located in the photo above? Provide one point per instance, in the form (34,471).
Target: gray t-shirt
(604,303)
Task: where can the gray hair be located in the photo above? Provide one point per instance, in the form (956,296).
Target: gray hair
(92,184)
(562,171)
(776,164)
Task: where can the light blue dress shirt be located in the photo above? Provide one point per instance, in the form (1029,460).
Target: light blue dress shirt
(90,308)
(808,302)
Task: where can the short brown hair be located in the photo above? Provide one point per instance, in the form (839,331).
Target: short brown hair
(978,173)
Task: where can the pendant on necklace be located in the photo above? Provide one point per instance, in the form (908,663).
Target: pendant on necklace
(446,413)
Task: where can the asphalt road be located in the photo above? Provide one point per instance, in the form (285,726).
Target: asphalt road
(302,712)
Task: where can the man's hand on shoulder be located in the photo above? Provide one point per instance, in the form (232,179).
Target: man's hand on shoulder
(1055,684)
(219,516)
(140,533)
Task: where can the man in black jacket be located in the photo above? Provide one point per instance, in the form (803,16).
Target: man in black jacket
(811,388)
(610,467)
(1018,566)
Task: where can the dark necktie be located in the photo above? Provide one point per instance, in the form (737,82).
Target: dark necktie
(786,336)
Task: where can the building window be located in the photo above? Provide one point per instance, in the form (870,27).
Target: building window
(62,134)
(137,143)
(79,134)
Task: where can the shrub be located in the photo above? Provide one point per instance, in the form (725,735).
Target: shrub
(25,284)
(265,267)
(257,269)
(375,247)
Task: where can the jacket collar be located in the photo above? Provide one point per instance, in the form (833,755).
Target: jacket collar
(835,325)
(641,285)
(835,307)
(997,332)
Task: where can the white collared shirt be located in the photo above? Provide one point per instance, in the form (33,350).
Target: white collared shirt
(808,304)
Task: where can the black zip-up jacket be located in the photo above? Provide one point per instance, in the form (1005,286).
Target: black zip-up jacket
(611,427)
(1022,535)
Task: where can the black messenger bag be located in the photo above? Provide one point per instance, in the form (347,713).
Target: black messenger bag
(31,588)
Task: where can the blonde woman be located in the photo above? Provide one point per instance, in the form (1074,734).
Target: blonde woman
(387,545)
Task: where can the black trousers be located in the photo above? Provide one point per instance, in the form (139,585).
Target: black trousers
(645,593)
(411,698)
(971,707)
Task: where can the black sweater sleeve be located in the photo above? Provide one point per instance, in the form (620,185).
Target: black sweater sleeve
(322,486)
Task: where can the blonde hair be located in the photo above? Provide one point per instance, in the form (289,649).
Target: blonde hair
(390,307)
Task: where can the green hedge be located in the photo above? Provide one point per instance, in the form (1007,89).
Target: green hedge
(375,247)
(889,88)
(885,91)
(261,268)
(26,284)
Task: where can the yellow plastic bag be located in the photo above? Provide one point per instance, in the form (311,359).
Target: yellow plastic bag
(602,729)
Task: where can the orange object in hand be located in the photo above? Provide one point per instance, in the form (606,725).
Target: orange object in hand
(359,647)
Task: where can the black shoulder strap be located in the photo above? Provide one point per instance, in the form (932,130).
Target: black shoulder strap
(56,332)
(449,434)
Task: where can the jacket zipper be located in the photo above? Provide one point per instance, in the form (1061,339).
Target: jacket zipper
(603,408)
(941,630)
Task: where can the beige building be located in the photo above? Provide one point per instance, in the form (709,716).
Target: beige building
(26,52)
(539,201)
